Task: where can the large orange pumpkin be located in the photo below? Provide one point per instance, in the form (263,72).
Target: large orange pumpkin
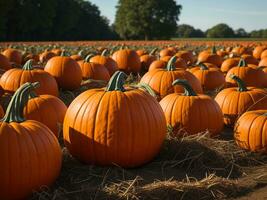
(210,57)
(12,79)
(115,125)
(13,55)
(229,64)
(4,63)
(161,80)
(30,154)
(190,113)
(40,107)
(235,101)
(251,131)
(258,50)
(127,60)
(263,62)
(66,71)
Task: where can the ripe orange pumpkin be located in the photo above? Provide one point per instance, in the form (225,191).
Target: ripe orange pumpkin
(107,61)
(249,59)
(210,57)
(127,60)
(191,113)
(251,131)
(187,56)
(4,63)
(147,59)
(66,71)
(40,107)
(264,54)
(45,56)
(161,80)
(210,78)
(166,52)
(30,153)
(114,125)
(229,63)
(258,50)
(13,55)
(12,79)
(252,77)
(235,101)
(263,62)
(92,70)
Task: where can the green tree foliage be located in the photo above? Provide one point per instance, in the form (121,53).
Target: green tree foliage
(187,31)
(220,31)
(262,33)
(241,33)
(150,19)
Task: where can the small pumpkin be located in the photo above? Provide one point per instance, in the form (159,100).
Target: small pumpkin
(66,71)
(13,55)
(147,59)
(237,100)
(118,125)
(250,131)
(30,153)
(166,52)
(45,56)
(191,113)
(12,79)
(210,57)
(187,56)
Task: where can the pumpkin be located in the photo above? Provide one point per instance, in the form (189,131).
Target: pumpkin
(257,51)
(240,50)
(108,62)
(13,55)
(45,56)
(263,62)
(235,101)
(250,131)
(92,70)
(12,79)
(127,60)
(166,52)
(229,64)
(57,52)
(76,57)
(115,125)
(147,59)
(222,53)
(40,107)
(187,56)
(191,113)
(141,52)
(161,80)
(31,56)
(30,153)
(249,59)
(4,63)
(210,78)
(179,63)
(66,71)
(210,57)
(253,77)
(264,54)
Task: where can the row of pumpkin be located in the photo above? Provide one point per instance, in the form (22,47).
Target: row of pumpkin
(117,124)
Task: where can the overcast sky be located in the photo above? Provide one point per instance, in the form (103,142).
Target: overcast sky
(203,14)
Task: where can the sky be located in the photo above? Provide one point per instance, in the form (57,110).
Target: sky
(203,14)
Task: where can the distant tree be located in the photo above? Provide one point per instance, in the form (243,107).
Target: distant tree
(187,31)
(150,19)
(220,31)
(262,33)
(241,33)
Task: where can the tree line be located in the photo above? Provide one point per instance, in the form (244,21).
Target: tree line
(29,20)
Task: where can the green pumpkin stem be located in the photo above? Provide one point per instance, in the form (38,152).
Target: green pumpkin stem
(241,84)
(188,90)
(153,51)
(64,53)
(171,64)
(203,66)
(242,63)
(104,53)
(147,88)
(88,57)
(14,112)
(116,82)
(28,65)
(213,50)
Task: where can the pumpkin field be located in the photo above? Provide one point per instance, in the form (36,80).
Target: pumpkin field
(182,119)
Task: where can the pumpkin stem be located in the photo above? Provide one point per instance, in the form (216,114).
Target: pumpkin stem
(242,63)
(88,57)
(14,112)
(170,65)
(104,53)
(213,50)
(28,65)
(81,52)
(203,66)
(188,90)
(153,51)
(33,94)
(241,84)
(116,82)
(265,114)
(147,88)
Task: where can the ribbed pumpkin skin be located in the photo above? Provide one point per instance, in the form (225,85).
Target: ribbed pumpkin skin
(234,103)
(127,60)
(192,114)
(252,77)
(30,158)
(48,110)
(229,64)
(263,62)
(146,61)
(210,58)
(126,128)
(66,71)
(251,131)
(179,63)
(108,62)
(12,79)
(161,81)
(210,79)
(4,63)
(13,55)
(258,50)
(187,56)
(94,71)
(45,56)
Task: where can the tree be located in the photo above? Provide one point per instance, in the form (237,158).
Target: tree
(187,31)
(220,31)
(150,19)
(241,33)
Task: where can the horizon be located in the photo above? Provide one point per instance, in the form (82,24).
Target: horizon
(244,16)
